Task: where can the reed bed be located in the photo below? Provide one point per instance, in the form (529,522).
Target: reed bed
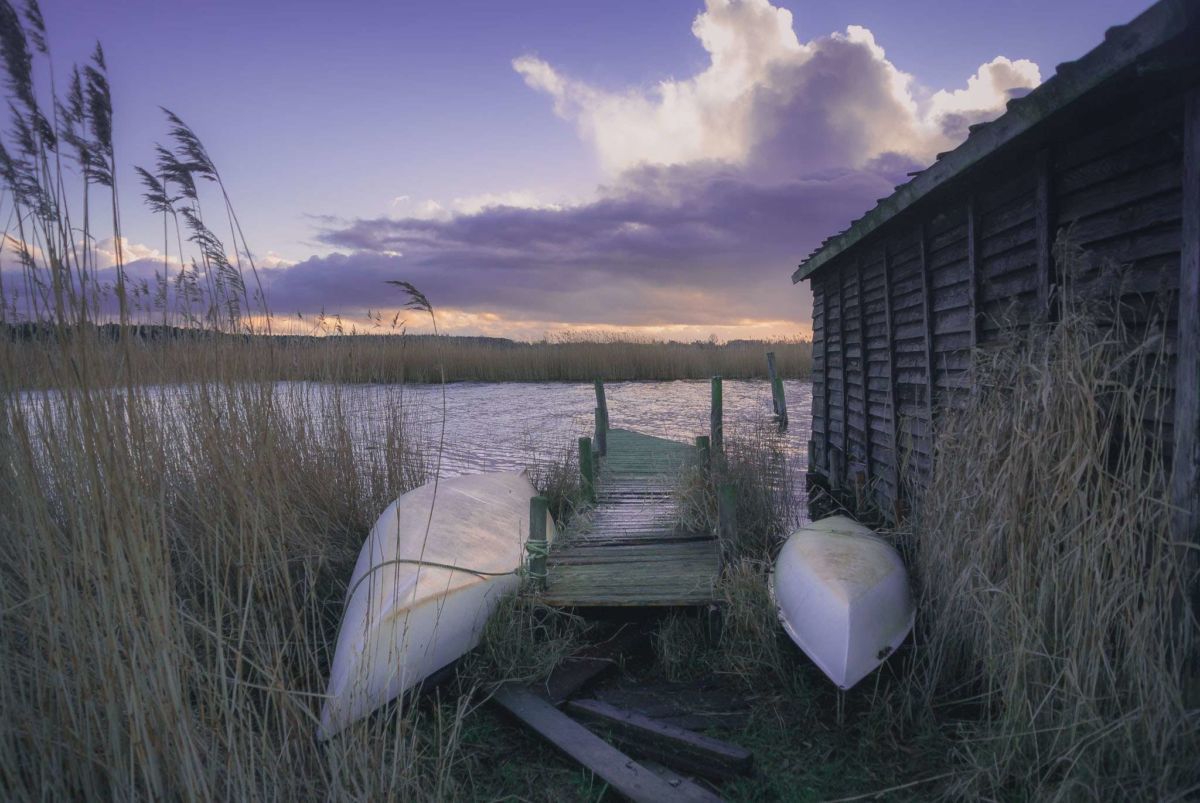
(197,355)
(1055,633)
(173,558)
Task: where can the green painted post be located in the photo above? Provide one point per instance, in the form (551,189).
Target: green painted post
(587,470)
(716,424)
(705,457)
(539,508)
(726,515)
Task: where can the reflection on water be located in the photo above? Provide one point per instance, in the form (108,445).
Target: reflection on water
(494,426)
(510,425)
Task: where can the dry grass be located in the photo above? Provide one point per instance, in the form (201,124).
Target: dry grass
(1052,597)
(173,558)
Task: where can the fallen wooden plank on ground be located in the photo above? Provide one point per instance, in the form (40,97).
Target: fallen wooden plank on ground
(617,769)
(576,672)
(694,706)
(678,748)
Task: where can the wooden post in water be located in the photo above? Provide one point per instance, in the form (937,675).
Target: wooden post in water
(539,508)
(587,472)
(705,456)
(777,402)
(601,434)
(601,420)
(716,423)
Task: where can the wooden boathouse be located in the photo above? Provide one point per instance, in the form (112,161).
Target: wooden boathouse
(1108,149)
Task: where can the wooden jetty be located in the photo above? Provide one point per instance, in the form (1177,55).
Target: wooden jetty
(629,546)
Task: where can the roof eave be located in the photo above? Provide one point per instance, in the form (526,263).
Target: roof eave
(1122,47)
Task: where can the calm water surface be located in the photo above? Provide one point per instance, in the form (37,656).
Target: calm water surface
(511,425)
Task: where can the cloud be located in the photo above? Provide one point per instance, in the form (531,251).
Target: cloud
(717,185)
(691,244)
(836,100)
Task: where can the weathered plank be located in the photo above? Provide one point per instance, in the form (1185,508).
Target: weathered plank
(630,549)
(1185,488)
(676,747)
(927,316)
(862,363)
(893,407)
(619,770)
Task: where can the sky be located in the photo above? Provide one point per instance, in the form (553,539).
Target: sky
(657,168)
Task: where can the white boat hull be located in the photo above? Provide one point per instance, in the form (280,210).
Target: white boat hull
(843,597)
(405,618)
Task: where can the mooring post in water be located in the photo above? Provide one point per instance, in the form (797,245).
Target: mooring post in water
(778,405)
(601,419)
(716,424)
(539,508)
(703,452)
(587,472)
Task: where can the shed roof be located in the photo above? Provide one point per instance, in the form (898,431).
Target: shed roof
(1123,46)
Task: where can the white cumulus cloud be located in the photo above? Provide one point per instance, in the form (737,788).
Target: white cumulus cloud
(839,96)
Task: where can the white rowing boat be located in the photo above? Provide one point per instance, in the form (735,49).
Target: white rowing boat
(409,612)
(843,596)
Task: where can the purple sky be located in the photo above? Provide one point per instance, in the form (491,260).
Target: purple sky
(659,167)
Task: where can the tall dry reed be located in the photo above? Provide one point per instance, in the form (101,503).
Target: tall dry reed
(172,558)
(1052,591)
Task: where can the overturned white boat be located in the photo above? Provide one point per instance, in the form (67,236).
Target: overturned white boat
(424,586)
(843,597)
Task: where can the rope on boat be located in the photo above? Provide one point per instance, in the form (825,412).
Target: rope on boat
(433,564)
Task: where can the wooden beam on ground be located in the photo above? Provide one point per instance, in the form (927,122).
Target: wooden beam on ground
(576,672)
(676,747)
(620,771)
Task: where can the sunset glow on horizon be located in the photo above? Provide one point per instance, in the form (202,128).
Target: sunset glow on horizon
(647,170)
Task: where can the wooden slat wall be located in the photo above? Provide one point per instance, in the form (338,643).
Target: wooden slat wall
(834,365)
(950,305)
(980,263)
(820,427)
(855,399)
(1119,191)
(878,377)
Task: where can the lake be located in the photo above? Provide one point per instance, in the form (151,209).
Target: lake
(510,425)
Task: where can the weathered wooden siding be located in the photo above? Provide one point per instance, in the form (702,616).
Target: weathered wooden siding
(897,316)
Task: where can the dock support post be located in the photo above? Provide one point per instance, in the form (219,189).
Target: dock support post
(716,422)
(705,456)
(601,434)
(539,508)
(726,514)
(601,419)
(587,472)
(778,405)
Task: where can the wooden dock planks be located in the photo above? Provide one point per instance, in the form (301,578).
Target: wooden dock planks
(629,549)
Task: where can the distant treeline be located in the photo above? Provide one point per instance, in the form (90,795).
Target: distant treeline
(174,354)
